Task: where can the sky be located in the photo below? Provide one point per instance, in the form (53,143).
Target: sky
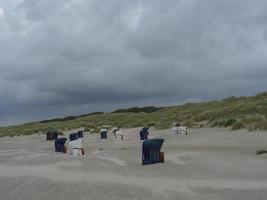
(70,57)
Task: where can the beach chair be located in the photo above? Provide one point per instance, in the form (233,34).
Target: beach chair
(60,145)
(151,151)
(104,133)
(119,135)
(75,147)
(144,133)
(51,135)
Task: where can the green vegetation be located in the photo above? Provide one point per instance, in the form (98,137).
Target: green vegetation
(259,152)
(148,109)
(233,112)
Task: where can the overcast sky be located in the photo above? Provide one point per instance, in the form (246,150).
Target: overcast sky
(68,57)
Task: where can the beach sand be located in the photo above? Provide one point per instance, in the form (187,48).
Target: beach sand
(208,164)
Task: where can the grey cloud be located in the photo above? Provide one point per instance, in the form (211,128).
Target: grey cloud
(76,56)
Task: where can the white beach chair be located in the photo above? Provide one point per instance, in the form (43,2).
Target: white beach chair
(119,135)
(75,147)
(179,130)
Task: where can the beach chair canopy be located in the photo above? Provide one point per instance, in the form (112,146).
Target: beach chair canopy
(103,129)
(116,129)
(73,136)
(145,129)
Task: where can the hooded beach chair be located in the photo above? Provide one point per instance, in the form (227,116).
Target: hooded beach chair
(104,133)
(179,130)
(51,135)
(151,151)
(60,145)
(76,147)
(144,133)
(80,134)
(119,135)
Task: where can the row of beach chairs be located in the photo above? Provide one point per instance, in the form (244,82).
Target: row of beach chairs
(151,148)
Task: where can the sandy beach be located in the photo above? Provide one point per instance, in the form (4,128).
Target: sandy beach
(208,164)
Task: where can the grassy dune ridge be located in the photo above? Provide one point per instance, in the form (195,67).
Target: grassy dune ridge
(234,112)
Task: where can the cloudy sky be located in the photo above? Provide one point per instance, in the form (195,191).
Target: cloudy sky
(69,57)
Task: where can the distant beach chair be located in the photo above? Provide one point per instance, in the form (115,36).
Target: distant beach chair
(104,133)
(178,130)
(60,145)
(75,147)
(51,135)
(80,134)
(144,133)
(119,135)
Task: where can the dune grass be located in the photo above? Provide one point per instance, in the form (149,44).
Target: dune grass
(233,112)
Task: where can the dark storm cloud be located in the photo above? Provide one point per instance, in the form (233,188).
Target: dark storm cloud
(76,56)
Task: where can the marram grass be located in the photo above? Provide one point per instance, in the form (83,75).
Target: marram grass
(233,112)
